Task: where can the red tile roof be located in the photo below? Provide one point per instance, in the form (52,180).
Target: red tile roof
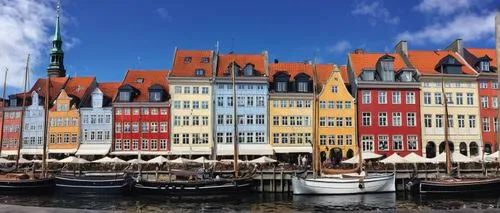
(360,61)
(425,61)
(80,86)
(480,52)
(150,77)
(292,68)
(56,84)
(343,73)
(323,71)
(184,69)
(109,89)
(258,60)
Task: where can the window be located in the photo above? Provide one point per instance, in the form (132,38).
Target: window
(249,137)
(396,119)
(177,120)
(300,139)
(126,127)
(177,89)
(259,119)
(155,96)
(126,144)
(241,119)
(176,139)
(220,119)
(348,121)
(299,121)
(439,121)
(483,85)
(135,144)
(196,104)
(339,104)
(366,98)
(450,121)
(382,97)
(241,101)
(308,104)
(335,89)
(330,121)
(484,102)
(347,104)
(348,140)
(124,96)
(229,101)
(163,126)
(200,72)
(283,103)
(229,119)
(322,104)
(494,102)
(322,121)
(118,144)
(275,103)
(187,90)
(427,98)
(229,137)
(281,86)
(449,98)
(204,120)
(241,137)
(382,119)
(410,97)
(470,98)
(250,119)
(397,142)
(154,144)
(220,137)
(66,137)
(187,59)
(220,101)
(322,139)
(396,97)
(185,120)
(495,124)
(383,142)
(185,138)
(260,101)
(494,85)
(331,139)
(437,98)
(367,120)
(412,142)
(186,104)
(300,103)
(459,97)
(154,127)
(302,86)
(195,138)
(428,120)
(292,138)
(118,127)
(135,127)
(144,144)
(411,119)
(250,101)
(486,124)
(331,104)
(367,143)
(461,121)
(339,121)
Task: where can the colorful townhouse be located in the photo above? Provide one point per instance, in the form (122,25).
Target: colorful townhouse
(460,89)
(336,121)
(192,111)
(251,84)
(142,114)
(388,102)
(484,61)
(11,127)
(96,121)
(64,115)
(290,108)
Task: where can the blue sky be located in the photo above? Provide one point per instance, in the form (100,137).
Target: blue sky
(105,38)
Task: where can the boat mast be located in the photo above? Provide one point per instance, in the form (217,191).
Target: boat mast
(46,126)
(446,145)
(3,109)
(20,141)
(497,35)
(315,131)
(235,131)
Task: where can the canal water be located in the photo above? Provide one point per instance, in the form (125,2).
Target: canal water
(266,202)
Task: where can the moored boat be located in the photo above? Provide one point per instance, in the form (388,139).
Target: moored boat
(195,188)
(23,184)
(344,184)
(455,185)
(105,183)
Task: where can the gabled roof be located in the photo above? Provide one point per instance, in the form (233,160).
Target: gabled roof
(343,73)
(56,84)
(79,86)
(141,80)
(225,60)
(425,61)
(184,69)
(323,71)
(109,89)
(291,68)
(361,61)
(481,52)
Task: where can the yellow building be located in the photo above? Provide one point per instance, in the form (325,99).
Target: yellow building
(290,107)
(64,126)
(336,120)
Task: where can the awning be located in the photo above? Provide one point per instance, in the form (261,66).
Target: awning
(93,149)
(136,152)
(62,151)
(8,152)
(292,149)
(193,150)
(245,149)
(32,151)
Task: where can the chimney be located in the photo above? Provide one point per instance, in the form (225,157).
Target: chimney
(456,46)
(276,61)
(402,48)
(359,51)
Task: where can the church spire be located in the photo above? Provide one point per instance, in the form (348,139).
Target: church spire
(56,66)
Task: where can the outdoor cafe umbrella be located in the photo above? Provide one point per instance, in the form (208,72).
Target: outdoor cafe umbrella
(393,159)
(263,159)
(365,156)
(73,160)
(414,158)
(204,160)
(159,160)
(181,160)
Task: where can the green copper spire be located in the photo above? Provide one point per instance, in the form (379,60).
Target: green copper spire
(56,66)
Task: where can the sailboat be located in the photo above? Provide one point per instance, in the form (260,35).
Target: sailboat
(23,183)
(182,186)
(339,181)
(454,185)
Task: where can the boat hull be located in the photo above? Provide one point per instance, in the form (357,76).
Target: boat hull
(87,185)
(340,186)
(459,186)
(37,186)
(214,187)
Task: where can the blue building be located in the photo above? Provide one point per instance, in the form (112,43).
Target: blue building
(34,122)
(251,81)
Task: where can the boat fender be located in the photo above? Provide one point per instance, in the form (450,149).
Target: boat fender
(361,183)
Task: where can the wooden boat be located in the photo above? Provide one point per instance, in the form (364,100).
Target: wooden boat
(223,187)
(454,185)
(105,183)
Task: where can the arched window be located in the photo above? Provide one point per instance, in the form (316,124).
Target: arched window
(248,70)
(474,149)
(487,148)
(350,153)
(463,148)
(430,150)
(442,147)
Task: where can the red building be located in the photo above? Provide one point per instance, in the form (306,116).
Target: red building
(388,103)
(141,114)
(11,128)
(485,63)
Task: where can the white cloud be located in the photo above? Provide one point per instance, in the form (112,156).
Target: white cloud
(26,27)
(375,10)
(444,7)
(467,26)
(164,14)
(339,47)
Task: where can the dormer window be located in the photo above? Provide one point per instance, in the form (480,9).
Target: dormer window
(485,66)
(205,60)
(155,96)
(368,75)
(233,68)
(248,70)
(12,100)
(281,82)
(200,72)
(124,96)
(187,60)
(406,76)
(281,86)
(139,80)
(387,68)
(97,98)
(449,65)
(302,82)
(155,93)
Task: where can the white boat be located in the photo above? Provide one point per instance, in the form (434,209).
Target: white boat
(344,184)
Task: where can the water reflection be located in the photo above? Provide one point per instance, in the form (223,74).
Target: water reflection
(380,202)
